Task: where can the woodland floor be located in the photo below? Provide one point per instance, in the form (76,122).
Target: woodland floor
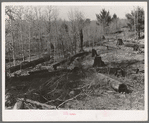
(62,89)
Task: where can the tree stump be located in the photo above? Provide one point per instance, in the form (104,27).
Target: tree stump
(137,70)
(135,47)
(94,53)
(120,72)
(119,42)
(103,37)
(107,47)
(98,62)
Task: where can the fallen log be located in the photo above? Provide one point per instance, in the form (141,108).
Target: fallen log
(29,64)
(133,45)
(115,84)
(17,58)
(71,59)
(46,72)
(38,72)
(11,59)
(32,102)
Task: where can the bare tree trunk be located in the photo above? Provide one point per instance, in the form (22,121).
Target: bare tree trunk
(96,37)
(22,45)
(22,48)
(63,48)
(29,44)
(39,45)
(13,52)
(55,50)
(116,24)
(81,40)
(75,41)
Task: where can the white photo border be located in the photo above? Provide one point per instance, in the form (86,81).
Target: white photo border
(80,115)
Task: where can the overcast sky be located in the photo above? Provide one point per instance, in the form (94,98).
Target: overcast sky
(91,11)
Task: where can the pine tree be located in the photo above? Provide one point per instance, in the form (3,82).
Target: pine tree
(103,19)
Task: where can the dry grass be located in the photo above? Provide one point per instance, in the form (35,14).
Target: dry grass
(96,94)
(101,97)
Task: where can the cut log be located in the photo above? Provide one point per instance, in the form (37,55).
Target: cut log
(119,42)
(98,62)
(38,72)
(71,59)
(18,105)
(29,64)
(114,84)
(38,104)
(46,72)
(11,59)
(134,44)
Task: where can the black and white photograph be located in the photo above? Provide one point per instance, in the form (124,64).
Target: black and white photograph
(74,61)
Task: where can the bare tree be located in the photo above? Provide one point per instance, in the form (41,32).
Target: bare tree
(77,24)
(9,11)
(72,19)
(37,10)
(20,11)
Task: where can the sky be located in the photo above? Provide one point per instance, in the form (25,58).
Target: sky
(91,11)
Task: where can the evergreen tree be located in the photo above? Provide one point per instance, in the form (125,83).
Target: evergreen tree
(103,19)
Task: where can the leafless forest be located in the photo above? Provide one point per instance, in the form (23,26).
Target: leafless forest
(77,64)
